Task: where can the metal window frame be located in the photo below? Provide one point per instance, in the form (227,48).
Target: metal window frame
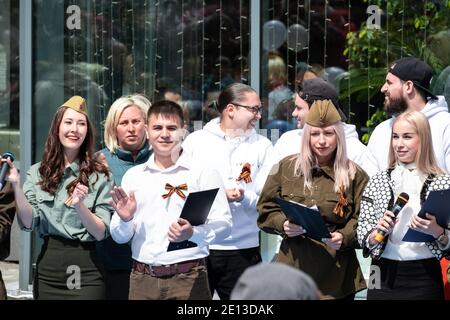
(255,45)
(26,94)
(268,242)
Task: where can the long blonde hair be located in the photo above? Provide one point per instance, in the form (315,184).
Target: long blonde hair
(114,113)
(425,160)
(344,169)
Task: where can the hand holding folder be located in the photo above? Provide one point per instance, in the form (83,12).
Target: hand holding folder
(195,210)
(309,219)
(437,204)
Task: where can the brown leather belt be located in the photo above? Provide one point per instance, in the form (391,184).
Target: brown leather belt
(169,269)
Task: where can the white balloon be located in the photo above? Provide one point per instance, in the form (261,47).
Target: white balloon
(332,74)
(274,34)
(297,37)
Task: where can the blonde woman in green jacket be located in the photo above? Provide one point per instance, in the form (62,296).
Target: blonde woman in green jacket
(320,176)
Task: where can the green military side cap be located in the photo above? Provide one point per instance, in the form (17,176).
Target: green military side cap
(322,114)
(76,103)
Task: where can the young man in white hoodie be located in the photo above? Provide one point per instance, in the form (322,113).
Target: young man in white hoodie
(407,89)
(310,91)
(231,145)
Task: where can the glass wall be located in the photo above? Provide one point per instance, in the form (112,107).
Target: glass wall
(9,77)
(188,50)
(302,39)
(101,49)
(351,44)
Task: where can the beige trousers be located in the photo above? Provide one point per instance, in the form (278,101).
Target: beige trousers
(182,286)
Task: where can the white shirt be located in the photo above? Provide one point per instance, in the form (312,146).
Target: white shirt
(150,225)
(288,144)
(410,180)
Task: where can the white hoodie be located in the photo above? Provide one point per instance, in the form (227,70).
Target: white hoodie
(436,111)
(211,147)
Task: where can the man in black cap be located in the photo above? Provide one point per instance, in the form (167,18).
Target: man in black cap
(310,91)
(407,88)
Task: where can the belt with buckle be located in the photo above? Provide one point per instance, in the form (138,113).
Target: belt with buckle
(169,269)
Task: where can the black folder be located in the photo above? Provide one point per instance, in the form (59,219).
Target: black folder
(195,210)
(437,204)
(309,219)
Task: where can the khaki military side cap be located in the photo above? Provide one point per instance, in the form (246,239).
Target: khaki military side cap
(76,103)
(322,114)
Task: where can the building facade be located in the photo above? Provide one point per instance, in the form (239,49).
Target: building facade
(189,50)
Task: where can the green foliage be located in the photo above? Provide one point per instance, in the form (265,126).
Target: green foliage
(375,119)
(370,51)
(362,83)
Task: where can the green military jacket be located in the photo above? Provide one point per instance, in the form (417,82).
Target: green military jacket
(52,217)
(7,211)
(337,272)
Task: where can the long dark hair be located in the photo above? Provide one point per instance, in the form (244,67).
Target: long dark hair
(52,165)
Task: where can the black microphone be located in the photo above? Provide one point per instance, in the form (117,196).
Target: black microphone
(398,206)
(5,168)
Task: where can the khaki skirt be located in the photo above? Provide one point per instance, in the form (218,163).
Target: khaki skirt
(68,269)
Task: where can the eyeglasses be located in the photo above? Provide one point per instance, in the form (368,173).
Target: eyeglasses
(252,109)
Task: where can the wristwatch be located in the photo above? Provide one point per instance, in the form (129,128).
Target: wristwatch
(443,238)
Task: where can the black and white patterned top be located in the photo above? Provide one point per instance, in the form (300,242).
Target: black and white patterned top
(378,196)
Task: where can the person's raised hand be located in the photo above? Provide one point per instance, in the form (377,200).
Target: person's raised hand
(125,205)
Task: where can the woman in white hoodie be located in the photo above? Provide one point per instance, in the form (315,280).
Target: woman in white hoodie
(231,145)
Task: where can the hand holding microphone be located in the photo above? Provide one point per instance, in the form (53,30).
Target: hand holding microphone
(5,167)
(402,200)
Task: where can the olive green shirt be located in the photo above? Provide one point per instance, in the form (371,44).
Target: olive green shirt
(52,217)
(336,272)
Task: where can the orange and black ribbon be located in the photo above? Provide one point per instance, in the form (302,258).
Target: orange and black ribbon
(245,174)
(177,189)
(68,201)
(342,203)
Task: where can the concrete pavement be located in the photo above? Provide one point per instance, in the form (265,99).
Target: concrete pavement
(10,275)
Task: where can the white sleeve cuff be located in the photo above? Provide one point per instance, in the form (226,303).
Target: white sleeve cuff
(120,230)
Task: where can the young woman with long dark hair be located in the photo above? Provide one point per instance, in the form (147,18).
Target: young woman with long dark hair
(65,198)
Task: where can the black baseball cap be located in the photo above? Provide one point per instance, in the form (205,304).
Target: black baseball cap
(318,89)
(414,70)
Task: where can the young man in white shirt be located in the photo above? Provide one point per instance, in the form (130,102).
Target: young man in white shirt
(407,88)
(148,206)
(231,145)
